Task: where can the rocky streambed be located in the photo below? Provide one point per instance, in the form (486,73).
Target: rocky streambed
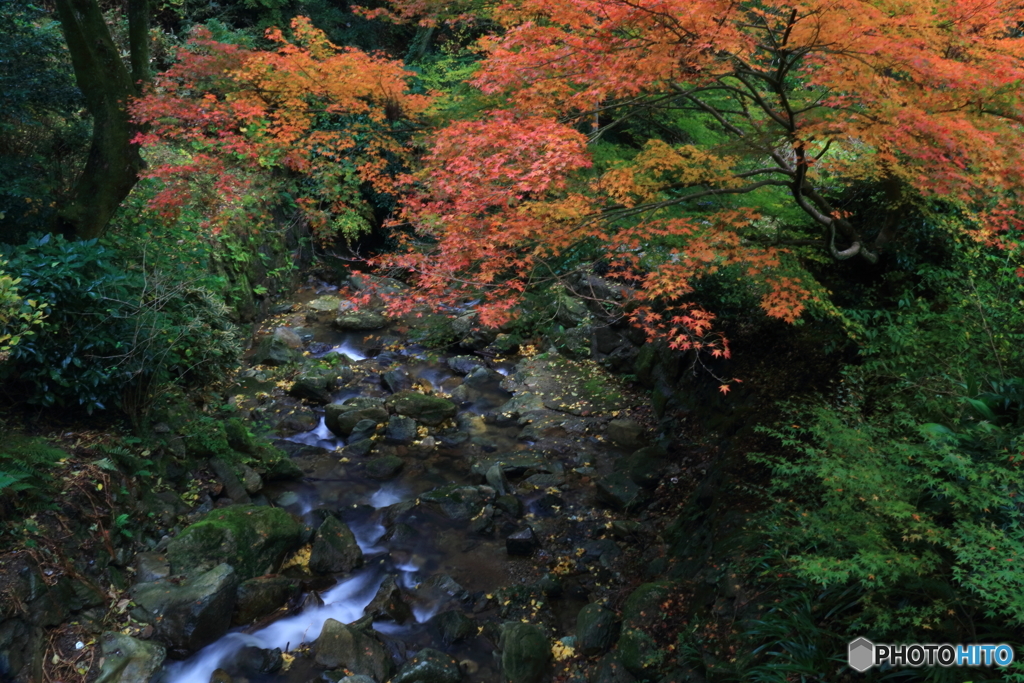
(479,516)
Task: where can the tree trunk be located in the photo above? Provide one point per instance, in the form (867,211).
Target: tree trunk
(112,167)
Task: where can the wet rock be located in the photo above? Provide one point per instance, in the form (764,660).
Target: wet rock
(275,352)
(481,378)
(294,420)
(335,549)
(313,388)
(646,466)
(341,645)
(561,385)
(454,501)
(396,380)
(402,535)
(424,447)
(259,597)
(288,337)
(389,603)
(596,629)
(343,418)
(454,626)
(429,666)
(510,505)
(498,481)
(361,320)
(483,522)
(522,543)
(443,586)
(525,652)
(151,566)
(384,467)
(619,492)
(627,433)
(461,395)
(610,669)
(364,429)
(128,660)
(548,505)
(465,364)
(232,486)
(343,677)
(401,430)
(517,463)
(386,285)
(325,303)
(277,466)
(252,539)
(252,660)
(220,676)
(358,449)
(251,480)
(189,615)
(428,410)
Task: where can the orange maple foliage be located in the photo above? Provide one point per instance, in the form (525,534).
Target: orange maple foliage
(921,97)
(327,114)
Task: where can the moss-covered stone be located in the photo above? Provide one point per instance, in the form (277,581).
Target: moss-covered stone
(239,437)
(428,410)
(251,539)
(335,549)
(342,419)
(525,652)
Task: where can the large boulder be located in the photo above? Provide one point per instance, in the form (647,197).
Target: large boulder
(344,646)
(401,430)
(639,651)
(343,418)
(429,410)
(259,597)
(465,364)
(128,660)
(454,501)
(627,433)
(384,467)
(596,629)
(619,492)
(250,538)
(359,321)
(335,549)
(429,666)
(525,652)
(189,615)
(274,351)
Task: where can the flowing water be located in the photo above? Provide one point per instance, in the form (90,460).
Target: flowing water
(436,547)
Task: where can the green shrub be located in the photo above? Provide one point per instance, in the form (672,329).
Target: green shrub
(111,334)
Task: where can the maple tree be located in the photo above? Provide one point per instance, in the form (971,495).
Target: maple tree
(801,99)
(331,122)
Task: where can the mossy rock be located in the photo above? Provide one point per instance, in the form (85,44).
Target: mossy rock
(428,410)
(275,463)
(251,539)
(206,437)
(238,436)
(525,652)
(639,651)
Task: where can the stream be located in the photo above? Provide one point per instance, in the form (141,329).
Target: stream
(439,558)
